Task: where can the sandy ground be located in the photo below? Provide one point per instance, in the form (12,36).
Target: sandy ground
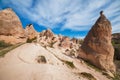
(21,64)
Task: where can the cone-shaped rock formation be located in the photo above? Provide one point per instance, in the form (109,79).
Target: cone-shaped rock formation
(97,47)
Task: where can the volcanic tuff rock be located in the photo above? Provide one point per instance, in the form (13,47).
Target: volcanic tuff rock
(10,27)
(97,47)
(30,32)
(48,39)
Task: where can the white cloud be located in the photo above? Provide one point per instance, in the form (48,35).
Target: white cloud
(114,10)
(78,14)
(79,37)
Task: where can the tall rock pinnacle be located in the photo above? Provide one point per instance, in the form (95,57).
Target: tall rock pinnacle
(97,47)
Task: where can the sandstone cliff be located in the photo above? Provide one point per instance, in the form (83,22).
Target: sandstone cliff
(97,47)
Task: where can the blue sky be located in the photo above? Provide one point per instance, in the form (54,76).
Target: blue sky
(72,18)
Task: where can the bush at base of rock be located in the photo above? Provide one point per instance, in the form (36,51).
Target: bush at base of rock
(30,40)
(4,45)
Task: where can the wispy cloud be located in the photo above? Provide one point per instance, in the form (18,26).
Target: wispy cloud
(76,15)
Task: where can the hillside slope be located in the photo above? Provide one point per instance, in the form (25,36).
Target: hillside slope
(25,63)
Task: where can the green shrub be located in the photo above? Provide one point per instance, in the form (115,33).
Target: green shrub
(41,59)
(31,40)
(70,64)
(4,45)
(92,66)
(113,43)
(88,75)
(5,50)
(81,41)
(117,76)
(51,44)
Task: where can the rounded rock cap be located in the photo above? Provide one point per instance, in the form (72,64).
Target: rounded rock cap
(101,12)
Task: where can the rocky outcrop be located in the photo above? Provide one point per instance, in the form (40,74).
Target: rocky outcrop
(11,30)
(30,32)
(48,39)
(48,33)
(65,42)
(74,40)
(97,47)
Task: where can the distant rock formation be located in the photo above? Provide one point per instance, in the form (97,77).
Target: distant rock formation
(48,33)
(116,38)
(30,32)
(116,44)
(97,47)
(65,42)
(11,30)
(74,40)
(48,39)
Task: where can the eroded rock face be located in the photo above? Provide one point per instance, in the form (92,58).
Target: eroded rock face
(68,46)
(65,42)
(10,23)
(97,47)
(47,38)
(11,30)
(30,32)
(48,33)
